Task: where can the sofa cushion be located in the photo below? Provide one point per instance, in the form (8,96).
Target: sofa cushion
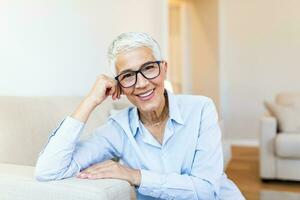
(288,145)
(17,183)
(288,116)
(26,123)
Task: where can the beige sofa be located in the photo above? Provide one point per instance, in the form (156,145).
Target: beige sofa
(25,124)
(280,139)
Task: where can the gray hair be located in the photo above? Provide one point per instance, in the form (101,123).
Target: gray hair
(126,42)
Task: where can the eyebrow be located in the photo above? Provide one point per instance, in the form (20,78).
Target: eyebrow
(130,70)
(126,70)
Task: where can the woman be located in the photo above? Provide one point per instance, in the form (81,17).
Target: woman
(169,145)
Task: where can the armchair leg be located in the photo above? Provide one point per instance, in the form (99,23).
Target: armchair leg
(265,180)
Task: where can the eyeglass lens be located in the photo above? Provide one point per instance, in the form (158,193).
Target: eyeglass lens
(149,71)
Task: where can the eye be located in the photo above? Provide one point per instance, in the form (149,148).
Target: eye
(127,75)
(149,67)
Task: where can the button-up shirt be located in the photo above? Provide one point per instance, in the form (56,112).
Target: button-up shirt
(188,164)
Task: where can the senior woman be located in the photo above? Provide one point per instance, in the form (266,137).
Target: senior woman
(169,145)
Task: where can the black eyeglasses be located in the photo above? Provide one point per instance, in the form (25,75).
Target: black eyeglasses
(149,70)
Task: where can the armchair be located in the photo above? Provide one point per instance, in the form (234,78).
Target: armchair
(280,139)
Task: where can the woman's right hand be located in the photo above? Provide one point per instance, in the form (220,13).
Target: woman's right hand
(102,88)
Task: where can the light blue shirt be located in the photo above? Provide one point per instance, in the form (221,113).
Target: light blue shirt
(187,165)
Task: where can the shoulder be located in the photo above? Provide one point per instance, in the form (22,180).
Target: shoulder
(120,115)
(198,101)
(194,107)
(122,118)
(112,122)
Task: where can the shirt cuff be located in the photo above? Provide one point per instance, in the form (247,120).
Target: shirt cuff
(71,129)
(151,183)
(71,120)
(68,130)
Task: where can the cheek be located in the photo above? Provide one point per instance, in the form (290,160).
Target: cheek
(129,94)
(127,91)
(159,82)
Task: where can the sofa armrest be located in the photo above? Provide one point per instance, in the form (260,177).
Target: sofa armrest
(17,183)
(268,131)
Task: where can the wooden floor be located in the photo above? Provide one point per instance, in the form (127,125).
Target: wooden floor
(243,169)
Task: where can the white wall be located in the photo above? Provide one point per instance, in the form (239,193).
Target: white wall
(259,57)
(205,44)
(55,47)
(194,47)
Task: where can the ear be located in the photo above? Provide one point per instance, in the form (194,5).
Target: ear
(165,68)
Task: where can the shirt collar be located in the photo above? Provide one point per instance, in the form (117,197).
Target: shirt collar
(174,113)
(134,120)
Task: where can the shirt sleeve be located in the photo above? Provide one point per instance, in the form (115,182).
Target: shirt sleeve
(65,156)
(207,169)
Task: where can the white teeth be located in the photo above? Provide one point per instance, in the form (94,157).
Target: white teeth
(146,94)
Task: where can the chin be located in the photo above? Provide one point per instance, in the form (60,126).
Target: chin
(151,105)
(148,107)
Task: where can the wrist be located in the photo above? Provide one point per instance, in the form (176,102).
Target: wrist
(84,110)
(91,101)
(136,177)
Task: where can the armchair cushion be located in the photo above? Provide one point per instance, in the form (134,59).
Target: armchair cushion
(288,99)
(288,145)
(288,116)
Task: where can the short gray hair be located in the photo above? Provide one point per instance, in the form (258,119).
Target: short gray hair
(126,42)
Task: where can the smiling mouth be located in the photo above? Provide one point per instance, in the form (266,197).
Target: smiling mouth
(146,95)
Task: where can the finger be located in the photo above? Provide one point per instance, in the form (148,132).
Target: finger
(120,91)
(81,175)
(89,169)
(96,168)
(100,171)
(97,165)
(104,166)
(96,175)
(110,86)
(111,92)
(116,93)
(102,175)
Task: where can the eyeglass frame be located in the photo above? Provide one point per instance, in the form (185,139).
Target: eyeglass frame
(140,71)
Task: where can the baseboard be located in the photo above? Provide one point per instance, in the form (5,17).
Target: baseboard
(243,142)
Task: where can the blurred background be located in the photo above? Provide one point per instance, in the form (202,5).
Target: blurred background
(239,53)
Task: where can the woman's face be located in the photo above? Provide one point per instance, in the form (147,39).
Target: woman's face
(147,94)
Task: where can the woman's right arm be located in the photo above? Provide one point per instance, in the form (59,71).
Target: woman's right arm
(103,88)
(57,161)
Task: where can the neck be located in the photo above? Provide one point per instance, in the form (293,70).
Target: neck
(156,117)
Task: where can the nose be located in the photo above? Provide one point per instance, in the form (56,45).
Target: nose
(141,81)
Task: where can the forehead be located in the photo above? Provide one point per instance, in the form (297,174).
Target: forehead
(133,59)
